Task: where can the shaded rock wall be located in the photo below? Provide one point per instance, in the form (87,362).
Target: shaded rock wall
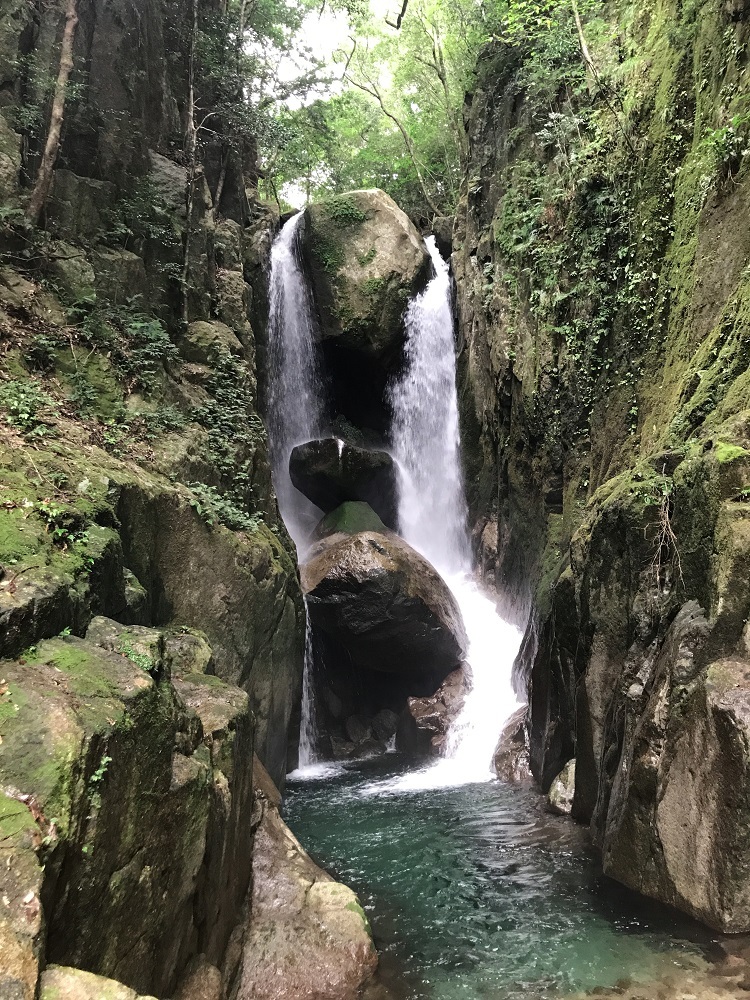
(601,257)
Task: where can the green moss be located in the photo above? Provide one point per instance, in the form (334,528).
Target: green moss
(729,452)
(343,211)
(86,671)
(90,381)
(18,538)
(14,817)
(209,680)
(367,258)
(354,907)
(142,660)
(373,286)
(329,252)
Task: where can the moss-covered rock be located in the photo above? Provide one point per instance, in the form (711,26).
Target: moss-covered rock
(349,519)
(61,983)
(604,407)
(330,472)
(366,260)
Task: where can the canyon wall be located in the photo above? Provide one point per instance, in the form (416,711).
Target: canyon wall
(601,254)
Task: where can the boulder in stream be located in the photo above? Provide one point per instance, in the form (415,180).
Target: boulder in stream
(511,758)
(385,604)
(562,790)
(330,472)
(425,722)
(366,260)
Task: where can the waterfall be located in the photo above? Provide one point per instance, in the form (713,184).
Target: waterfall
(307,728)
(432,518)
(295,403)
(295,415)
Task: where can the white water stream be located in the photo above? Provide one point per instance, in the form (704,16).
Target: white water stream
(295,397)
(432,518)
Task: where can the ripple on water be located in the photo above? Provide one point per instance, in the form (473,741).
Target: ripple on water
(474,892)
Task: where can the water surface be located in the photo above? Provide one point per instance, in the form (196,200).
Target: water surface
(476,892)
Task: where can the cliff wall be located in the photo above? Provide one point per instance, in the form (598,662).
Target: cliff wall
(601,255)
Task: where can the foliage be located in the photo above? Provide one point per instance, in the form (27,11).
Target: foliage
(138,344)
(234,432)
(25,405)
(217,508)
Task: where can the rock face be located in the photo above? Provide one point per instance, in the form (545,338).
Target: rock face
(385,604)
(607,436)
(562,789)
(126,812)
(330,472)
(366,260)
(308,937)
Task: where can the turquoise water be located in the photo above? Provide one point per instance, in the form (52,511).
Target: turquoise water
(477,892)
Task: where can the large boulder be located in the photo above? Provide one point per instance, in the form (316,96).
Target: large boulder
(366,260)
(385,604)
(511,757)
(329,472)
(125,812)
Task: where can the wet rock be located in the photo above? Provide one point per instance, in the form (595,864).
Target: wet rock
(357,728)
(385,724)
(425,722)
(330,472)
(442,230)
(308,937)
(511,758)
(366,260)
(349,519)
(385,605)
(369,747)
(562,790)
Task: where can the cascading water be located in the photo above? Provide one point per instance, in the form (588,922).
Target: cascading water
(307,728)
(295,396)
(432,518)
(295,416)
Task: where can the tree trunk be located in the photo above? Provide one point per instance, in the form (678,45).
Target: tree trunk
(191,151)
(52,146)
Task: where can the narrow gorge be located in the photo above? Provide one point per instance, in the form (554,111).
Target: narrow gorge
(374,500)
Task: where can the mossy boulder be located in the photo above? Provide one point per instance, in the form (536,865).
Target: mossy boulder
(205,342)
(330,472)
(366,260)
(385,604)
